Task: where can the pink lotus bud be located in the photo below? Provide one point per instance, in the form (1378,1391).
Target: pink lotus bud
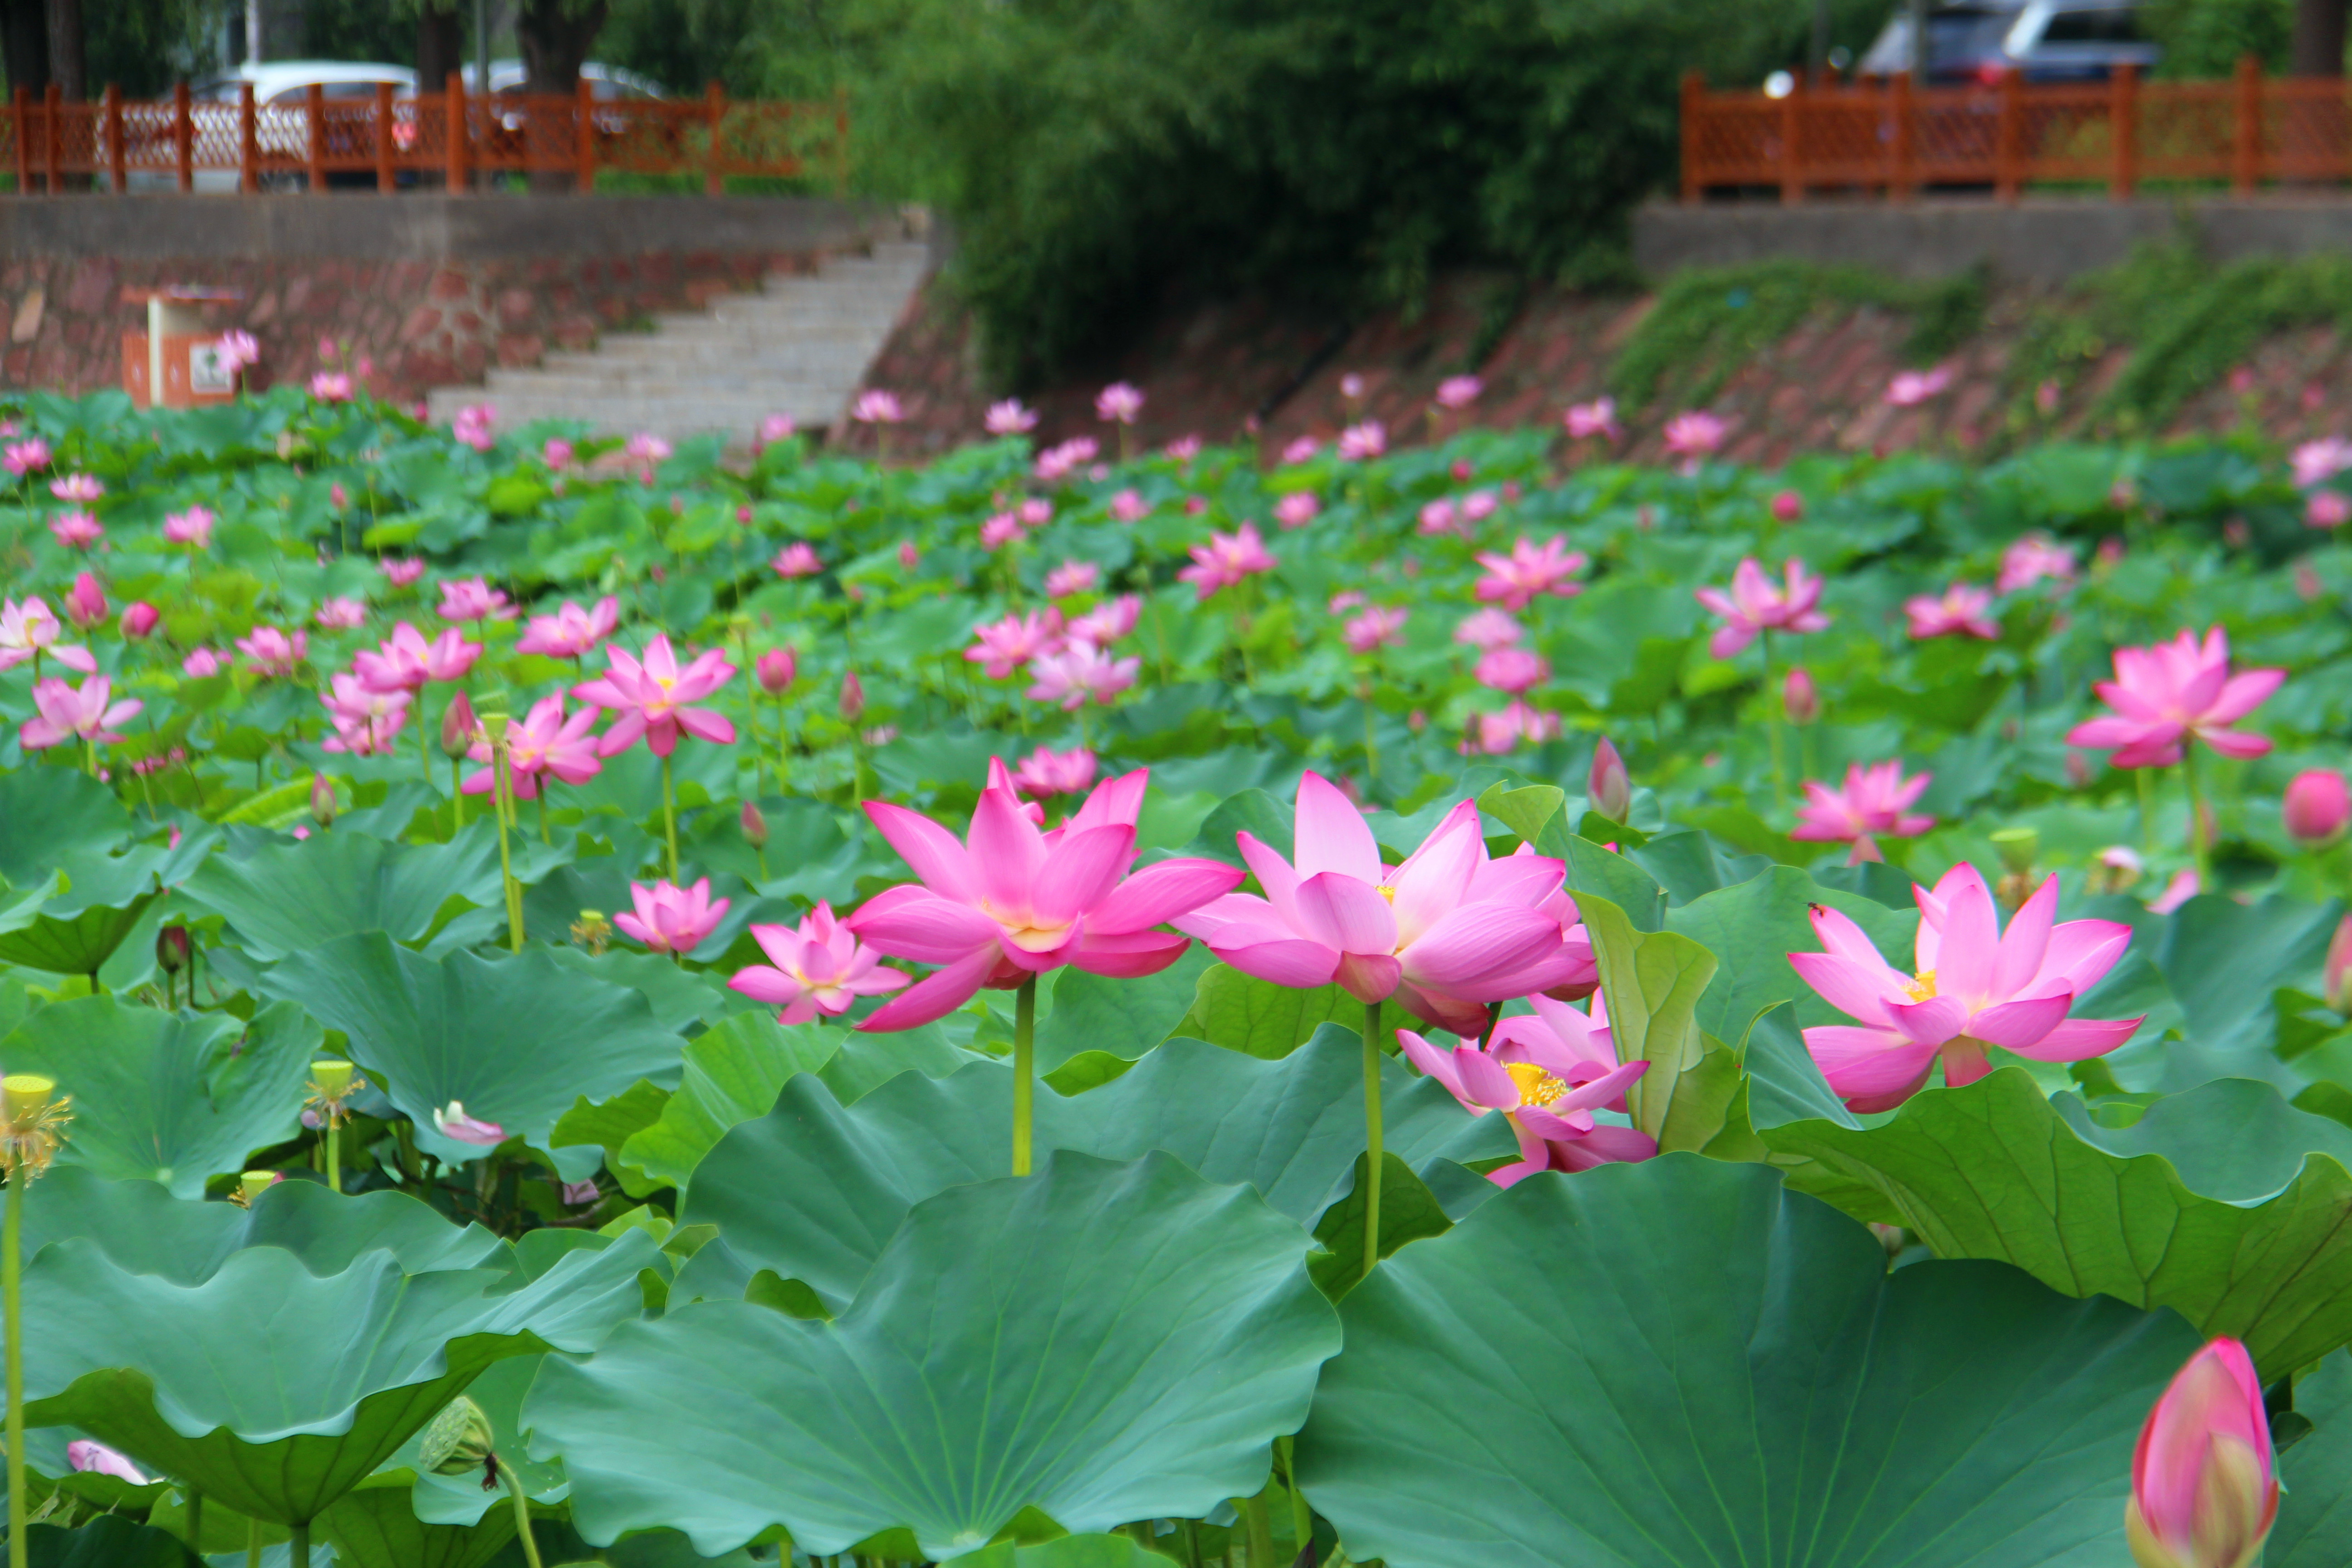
(777,669)
(1799,701)
(909,556)
(755,826)
(2203,1494)
(2317,806)
(85,603)
(1788,507)
(458,727)
(174,950)
(853,698)
(453,1122)
(578,1194)
(139,618)
(1461,471)
(2336,973)
(1610,790)
(84,1455)
(322,800)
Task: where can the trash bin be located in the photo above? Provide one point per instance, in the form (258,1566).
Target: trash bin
(176,350)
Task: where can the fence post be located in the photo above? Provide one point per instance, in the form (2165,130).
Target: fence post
(456,94)
(385,184)
(714,179)
(314,108)
(1899,99)
(1792,162)
(2246,156)
(20,109)
(1694,98)
(183,135)
(2007,171)
(2123,132)
(584,145)
(53,142)
(116,159)
(248,147)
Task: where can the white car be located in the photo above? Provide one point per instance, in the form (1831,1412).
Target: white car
(281,92)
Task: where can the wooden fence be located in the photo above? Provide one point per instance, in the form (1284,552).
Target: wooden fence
(1894,139)
(442,137)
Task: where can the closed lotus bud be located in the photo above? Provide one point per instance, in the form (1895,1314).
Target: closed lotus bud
(1610,790)
(1788,506)
(86,601)
(322,800)
(172,949)
(2204,1491)
(139,619)
(2316,805)
(853,697)
(777,669)
(909,556)
(333,1078)
(2017,848)
(2337,973)
(458,1440)
(755,826)
(1799,701)
(458,727)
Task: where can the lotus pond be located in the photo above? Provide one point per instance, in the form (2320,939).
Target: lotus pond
(572,1001)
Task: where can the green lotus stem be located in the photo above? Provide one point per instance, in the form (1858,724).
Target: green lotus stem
(523,1519)
(424,739)
(1772,726)
(2146,810)
(253,1543)
(1371,1138)
(1260,1518)
(669,819)
(89,756)
(1302,1518)
(501,784)
(12,1278)
(2201,853)
(298,1550)
(1191,1543)
(1024,1073)
(334,1156)
(196,1522)
(456,793)
(541,798)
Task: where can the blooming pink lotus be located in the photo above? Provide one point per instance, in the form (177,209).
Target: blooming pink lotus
(29,456)
(1959,611)
(571,632)
(2166,696)
(1755,605)
(1297,510)
(797,559)
(86,601)
(330,386)
(1045,772)
(819,967)
(1587,421)
(1441,517)
(1119,404)
(2325,509)
(273,654)
(1458,392)
(75,529)
(406,662)
(1072,578)
(1227,560)
(2204,1489)
(341,614)
(1360,443)
(1013,901)
(451,1121)
(1976,987)
(1376,628)
(1495,734)
(365,719)
(401,573)
(669,919)
(30,630)
(649,698)
(1182,449)
(2322,459)
(643,450)
(1129,506)
(775,428)
(1512,670)
(237,350)
(1448,932)
(67,713)
(999,531)
(81,489)
(472,428)
(2030,559)
(1004,646)
(875,407)
(1911,388)
(1108,622)
(556,453)
(1693,437)
(1530,571)
(1059,461)
(1549,1073)
(1011,418)
(473,599)
(203,663)
(192,528)
(1874,803)
(544,742)
(1487,630)
(1300,449)
(1080,670)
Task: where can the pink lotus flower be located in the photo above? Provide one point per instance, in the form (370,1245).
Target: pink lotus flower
(202,663)
(776,669)
(1530,571)
(2322,459)
(1106,621)
(1362,442)
(81,488)
(1459,392)
(999,531)
(1301,449)
(86,601)
(1227,560)
(1014,902)
(797,560)
(1119,404)
(401,573)
(1911,388)
(1477,507)
(1548,1073)
(571,632)
(23,457)
(341,615)
(1495,734)
(1071,675)
(1874,803)
(331,387)
(1441,516)
(30,630)
(274,654)
(1512,670)
(1788,506)
(237,350)
(1448,932)
(451,1121)
(819,968)
(875,407)
(774,429)
(1298,509)
(2032,558)
(1585,421)
(1072,578)
(87,1457)
(2325,509)
(643,450)
(2165,696)
(1129,506)
(1487,630)
(1182,449)
(544,742)
(406,661)
(556,453)
(76,529)
(649,698)
(192,527)
(474,599)
(139,619)
(1755,605)
(1376,628)
(2204,1491)
(472,428)
(365,719)
(1006,645)
(1045,771)
(2316,805)
(1976,987)
(67,713)
(1011,418)
(1959,612)
(1800,702)
(1694,437)
(1058,462)
(669,919)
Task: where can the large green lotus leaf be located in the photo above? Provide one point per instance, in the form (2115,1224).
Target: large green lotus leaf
(275,1390)
(284,898)
(109,1541)
(372,1526)
(148,1231)
(1292,1129)
(2224,1202)
(1100,1342)
(459,1500)
(733,1072)
(48,816)
(517,1040)
(2314,1517)
(77,929)
(1751,927)
(170,1096)
(1122,1018)
(1259,1018)
(1681,1364)
(2224,960)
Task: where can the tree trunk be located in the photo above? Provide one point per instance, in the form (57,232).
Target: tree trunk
(24,40)
(2318,48)
(556,36)
(440,44)
(66,56)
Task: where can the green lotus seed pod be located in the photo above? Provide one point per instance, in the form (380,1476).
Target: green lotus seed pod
(333,1078)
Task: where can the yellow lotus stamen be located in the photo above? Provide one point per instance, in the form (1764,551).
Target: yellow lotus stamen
(1922,988)
(1537,1087)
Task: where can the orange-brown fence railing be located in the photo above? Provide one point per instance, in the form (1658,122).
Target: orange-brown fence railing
(443,138)
(1894,139)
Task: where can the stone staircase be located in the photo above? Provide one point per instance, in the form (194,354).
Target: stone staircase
(799,347)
